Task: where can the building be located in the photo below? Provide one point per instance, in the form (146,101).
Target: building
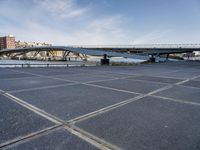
(21,44)
(7,42)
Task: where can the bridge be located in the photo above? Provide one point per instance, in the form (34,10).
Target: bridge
(144,52)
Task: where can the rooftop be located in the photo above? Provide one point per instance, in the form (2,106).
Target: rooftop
(148,106)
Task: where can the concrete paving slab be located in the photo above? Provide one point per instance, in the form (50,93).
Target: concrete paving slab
(149,123)
(131,85)
(182,93)
(157,79)
(68,102)
(59,139)
(19,84)
(17,121)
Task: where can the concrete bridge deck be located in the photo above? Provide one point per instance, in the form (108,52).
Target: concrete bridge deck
(149,106)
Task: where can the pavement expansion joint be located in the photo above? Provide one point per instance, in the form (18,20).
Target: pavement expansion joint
(29,136)
(144,81)
(114,89)
(35,77)
(111,79)
(166,77)
(192,87)
(168,72)
(50,77)
(193,78)
(34,109)
(70,125)
(99,143)
(103,110)
(176,100)
(40,88)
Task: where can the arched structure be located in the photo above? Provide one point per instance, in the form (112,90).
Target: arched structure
(135,51)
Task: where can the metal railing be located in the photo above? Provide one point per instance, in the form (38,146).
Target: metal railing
(43,65)
(139,46)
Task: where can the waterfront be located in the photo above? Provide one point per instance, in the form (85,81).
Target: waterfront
(92,61)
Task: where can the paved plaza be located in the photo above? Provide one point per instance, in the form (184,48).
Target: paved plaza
(142,107)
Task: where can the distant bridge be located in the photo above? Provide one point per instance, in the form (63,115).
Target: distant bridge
(128,51)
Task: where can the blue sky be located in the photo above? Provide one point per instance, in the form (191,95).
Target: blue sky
(101,22)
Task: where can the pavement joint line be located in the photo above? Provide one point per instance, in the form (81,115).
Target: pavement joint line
(70,75)
(34,109)
(134,75)
(111,79)
(112,72)
(111,107)
(176,100)
(41,88)
(94,140)
(189,86)
(178,78)
(145,81)
(139,74)
(73,80)
(188,79)
(101,80)
(160,89)
(74,75)
(1,92)
(148,94)
(168,72)
(162,77)
(83,82)
(29,136)
(50,77)
(19,78)
(114,106)
(103,75)
(49,117)
(103,110)
(109,88)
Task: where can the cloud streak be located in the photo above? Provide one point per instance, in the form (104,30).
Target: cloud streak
(69,22)
(63,8)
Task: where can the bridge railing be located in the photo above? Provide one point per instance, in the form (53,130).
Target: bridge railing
(139,46)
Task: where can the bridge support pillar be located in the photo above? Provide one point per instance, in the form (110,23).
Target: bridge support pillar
(152,59)
(167,57)
(105,60)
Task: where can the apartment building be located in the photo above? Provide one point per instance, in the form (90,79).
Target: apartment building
(7,42)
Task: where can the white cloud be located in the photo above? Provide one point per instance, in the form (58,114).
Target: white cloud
(100,31)
(63,8)
(94,30)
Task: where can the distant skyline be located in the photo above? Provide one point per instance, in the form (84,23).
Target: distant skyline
(101,22)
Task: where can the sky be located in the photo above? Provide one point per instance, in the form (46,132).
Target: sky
(102,22)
